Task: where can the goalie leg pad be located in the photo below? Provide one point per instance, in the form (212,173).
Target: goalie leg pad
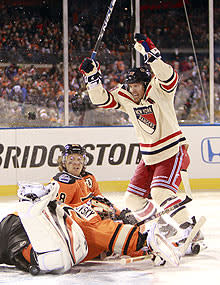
(51,251)
(52,261)
(52,248)
(42,196)
(75,236)
(161,247)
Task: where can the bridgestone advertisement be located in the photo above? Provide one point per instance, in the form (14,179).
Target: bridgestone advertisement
(113,152)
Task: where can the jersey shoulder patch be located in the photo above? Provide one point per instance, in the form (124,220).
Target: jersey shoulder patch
(64,178)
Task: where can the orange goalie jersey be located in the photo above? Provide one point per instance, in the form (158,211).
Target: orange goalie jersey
(105,235)
(76,190)
(101,235)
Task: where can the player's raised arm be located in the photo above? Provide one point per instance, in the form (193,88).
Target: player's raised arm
(164,72)
(99,96)
(90,69)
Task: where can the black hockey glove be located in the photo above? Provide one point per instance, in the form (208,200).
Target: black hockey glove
(91,72)
(127,217)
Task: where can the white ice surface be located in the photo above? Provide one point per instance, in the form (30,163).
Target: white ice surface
(197,270)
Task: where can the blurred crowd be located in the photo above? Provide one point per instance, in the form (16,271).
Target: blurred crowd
(28,36)
(31,70)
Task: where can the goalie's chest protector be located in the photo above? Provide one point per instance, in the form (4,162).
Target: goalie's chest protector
(72,190)
(155,123)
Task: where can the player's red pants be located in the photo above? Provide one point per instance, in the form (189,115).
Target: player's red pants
(165,174)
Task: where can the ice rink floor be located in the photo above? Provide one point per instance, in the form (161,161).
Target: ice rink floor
(197,270)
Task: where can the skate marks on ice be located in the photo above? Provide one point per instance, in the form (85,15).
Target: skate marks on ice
(88,274)
(140,273)
(11,275)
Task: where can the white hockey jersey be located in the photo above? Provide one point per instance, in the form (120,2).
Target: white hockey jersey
(154,118)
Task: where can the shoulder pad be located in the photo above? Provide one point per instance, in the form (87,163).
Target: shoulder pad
(64,178)
(117,87)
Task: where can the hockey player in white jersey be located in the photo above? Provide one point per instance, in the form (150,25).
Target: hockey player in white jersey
(148,98)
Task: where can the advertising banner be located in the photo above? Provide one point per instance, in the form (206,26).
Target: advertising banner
(113,152)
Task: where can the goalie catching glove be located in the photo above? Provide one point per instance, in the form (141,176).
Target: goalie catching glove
(127,217)
(90,70)
(146,47)
(107,210)
(103,207)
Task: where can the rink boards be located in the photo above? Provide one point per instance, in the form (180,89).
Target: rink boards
(113,153)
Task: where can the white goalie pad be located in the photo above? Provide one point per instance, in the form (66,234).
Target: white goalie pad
(58,241)
(162,247)
(43,195)
(75,237)
(31,188)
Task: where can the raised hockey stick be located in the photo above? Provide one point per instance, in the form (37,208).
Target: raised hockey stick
(192,234)
(104,25)
(166,211)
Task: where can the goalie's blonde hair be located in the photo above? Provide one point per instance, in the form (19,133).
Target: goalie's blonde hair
(60,163)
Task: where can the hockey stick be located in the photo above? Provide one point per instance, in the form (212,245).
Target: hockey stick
(192,234)
(186,184)
(104,25)
(166,211)
(134,259)
(123,260)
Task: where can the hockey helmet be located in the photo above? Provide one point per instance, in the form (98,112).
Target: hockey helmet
(74,148)
(70,149)
(138,74)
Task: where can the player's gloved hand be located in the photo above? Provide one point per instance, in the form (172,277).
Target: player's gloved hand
(146,47)
(103,207)
(91,72)
(127,217)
